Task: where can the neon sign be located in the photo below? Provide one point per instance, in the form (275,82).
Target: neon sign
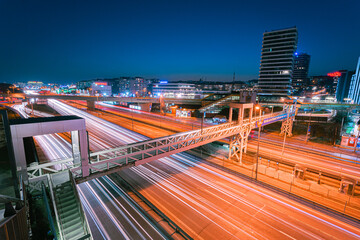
(334,74)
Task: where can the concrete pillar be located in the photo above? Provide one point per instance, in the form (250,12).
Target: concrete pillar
(90,104)
(20,158)
(75,146)
(230,114)
(84,152)
(145,106)
(241,114)
(250,113)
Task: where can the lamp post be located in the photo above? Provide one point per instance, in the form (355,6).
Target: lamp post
(202,121)
(132,119)
(308,129)
(258,143)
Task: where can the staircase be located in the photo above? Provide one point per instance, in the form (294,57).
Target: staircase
(72,222)
(215,107)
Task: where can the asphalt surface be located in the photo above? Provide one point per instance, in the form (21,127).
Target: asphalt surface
(209,203)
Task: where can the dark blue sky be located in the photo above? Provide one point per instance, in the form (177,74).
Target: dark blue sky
(67,41)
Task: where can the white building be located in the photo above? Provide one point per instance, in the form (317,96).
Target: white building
(176,90)
(354,90)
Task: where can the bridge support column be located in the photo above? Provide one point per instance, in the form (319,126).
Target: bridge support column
(238,144)
(75,146)
(286,127)
(230,114)
(299,172)
(347,186)
(84,152)
(145,106)
(287,124)
(90,104)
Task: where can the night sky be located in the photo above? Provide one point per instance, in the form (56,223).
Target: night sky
(67,41)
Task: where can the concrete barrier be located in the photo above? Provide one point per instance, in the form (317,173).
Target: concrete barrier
(284,176)
(314,187)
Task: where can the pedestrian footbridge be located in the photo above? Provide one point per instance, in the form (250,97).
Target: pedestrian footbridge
(111,160)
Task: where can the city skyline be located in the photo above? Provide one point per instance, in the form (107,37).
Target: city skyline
(66,42)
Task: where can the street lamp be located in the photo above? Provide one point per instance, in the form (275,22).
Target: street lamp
(132,119)
(257,108)
(202,121)
(308,129)
(258,142)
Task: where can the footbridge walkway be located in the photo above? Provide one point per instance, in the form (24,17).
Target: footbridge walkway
(111,160)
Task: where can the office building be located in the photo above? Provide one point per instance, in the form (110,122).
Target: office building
(134,86)
(343,85)
(100,88)
(354,90)
(300,78)
(176,90)
(277,62)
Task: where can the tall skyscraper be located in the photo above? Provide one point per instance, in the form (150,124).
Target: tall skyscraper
(277,62)
(301,70)
(354,91)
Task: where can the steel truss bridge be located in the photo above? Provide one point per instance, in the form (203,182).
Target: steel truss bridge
(111,160)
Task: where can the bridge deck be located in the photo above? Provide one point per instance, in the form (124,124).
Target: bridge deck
(111,160)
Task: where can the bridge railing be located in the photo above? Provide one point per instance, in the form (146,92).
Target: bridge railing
(51,167)
(148,150)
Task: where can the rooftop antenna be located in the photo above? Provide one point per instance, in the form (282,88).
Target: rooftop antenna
(233,83)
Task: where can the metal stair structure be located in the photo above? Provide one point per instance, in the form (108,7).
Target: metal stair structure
(72,221)
(215,107)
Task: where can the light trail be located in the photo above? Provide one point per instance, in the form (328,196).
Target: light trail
(205,197)
(116,223)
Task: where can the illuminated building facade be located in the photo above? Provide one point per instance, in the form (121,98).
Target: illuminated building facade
(354,90)
(277,62)
(343,85)
(100,88)
(176,90)
(301,70)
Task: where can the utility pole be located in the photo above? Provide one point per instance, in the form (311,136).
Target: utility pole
(257,151)
(233,83)
(308,129)
(202,121)
(258,143)
(132,120)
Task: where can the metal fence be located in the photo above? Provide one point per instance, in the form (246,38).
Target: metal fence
(15,227)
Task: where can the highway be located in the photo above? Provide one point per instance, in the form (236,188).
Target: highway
(271,145)
(110,212)
(209,203)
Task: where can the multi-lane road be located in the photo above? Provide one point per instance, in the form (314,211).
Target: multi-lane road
(209,203)
(325,159)
(110,212)
(204,200)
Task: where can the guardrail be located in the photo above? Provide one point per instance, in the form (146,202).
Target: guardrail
(16,226)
